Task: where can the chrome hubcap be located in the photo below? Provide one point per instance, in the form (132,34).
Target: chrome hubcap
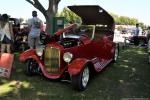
(85,76)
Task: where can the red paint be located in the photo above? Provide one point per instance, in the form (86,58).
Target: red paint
(98,51)
(76,66)
(27,54)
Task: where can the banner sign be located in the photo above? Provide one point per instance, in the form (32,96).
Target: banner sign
(6,62)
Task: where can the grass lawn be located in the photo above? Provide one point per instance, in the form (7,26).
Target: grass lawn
(128,78)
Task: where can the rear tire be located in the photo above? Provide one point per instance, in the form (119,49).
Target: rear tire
(81,80)
(116,53)
(149,58)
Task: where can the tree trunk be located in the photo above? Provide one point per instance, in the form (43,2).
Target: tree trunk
(49,24)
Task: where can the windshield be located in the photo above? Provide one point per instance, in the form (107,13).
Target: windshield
(77,32)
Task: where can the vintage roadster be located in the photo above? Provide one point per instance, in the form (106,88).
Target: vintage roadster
(75,52)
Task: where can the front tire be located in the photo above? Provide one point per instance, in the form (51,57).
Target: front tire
(81,80)
(30,67)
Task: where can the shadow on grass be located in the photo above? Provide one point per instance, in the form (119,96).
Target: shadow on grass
(128,78)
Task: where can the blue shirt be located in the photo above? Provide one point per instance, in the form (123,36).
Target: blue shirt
(137,31)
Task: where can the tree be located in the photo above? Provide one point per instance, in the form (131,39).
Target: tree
(124,20)
(48,13)
(116,18)
(70,16)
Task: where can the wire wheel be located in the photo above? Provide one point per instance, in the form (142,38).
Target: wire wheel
(85,77)
(116,54)
(81,80)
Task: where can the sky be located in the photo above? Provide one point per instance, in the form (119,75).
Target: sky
(131,8)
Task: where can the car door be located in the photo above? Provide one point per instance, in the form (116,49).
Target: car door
(102,45)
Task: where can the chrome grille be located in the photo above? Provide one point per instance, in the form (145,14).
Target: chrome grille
(51,59)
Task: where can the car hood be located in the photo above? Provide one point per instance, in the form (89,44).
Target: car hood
(92,15)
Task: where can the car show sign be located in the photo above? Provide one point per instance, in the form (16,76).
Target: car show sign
(6,62)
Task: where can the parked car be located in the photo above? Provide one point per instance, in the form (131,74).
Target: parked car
(142,40)
(75,52)
(141,37)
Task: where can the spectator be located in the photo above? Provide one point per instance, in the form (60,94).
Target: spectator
(6,34)
(35,25)
(136,34)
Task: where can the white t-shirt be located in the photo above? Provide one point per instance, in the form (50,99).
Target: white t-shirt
(35,32)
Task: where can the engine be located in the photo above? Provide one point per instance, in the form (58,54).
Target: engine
(69,42)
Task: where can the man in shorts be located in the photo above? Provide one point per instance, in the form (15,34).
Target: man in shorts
(35,25)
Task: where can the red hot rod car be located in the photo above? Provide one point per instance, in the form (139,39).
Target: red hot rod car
(76,51)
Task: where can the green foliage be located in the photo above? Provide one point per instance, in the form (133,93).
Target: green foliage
(119,20)
(70,16)
(142,25)
(124,20)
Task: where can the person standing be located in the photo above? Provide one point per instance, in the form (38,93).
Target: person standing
(6,34)
(136,34)
(35,25)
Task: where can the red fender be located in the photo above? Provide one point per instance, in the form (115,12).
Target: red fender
(76,66)
(31,53)
(27,54)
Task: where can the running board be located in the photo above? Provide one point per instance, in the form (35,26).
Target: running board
(100,64)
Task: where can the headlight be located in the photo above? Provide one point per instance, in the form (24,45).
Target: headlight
(67,57)
(39,51)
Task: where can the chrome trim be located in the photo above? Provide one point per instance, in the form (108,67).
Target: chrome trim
(52,59)
(93,33)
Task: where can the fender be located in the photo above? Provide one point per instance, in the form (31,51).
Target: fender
(31,53)
(76,66)
(27,54)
